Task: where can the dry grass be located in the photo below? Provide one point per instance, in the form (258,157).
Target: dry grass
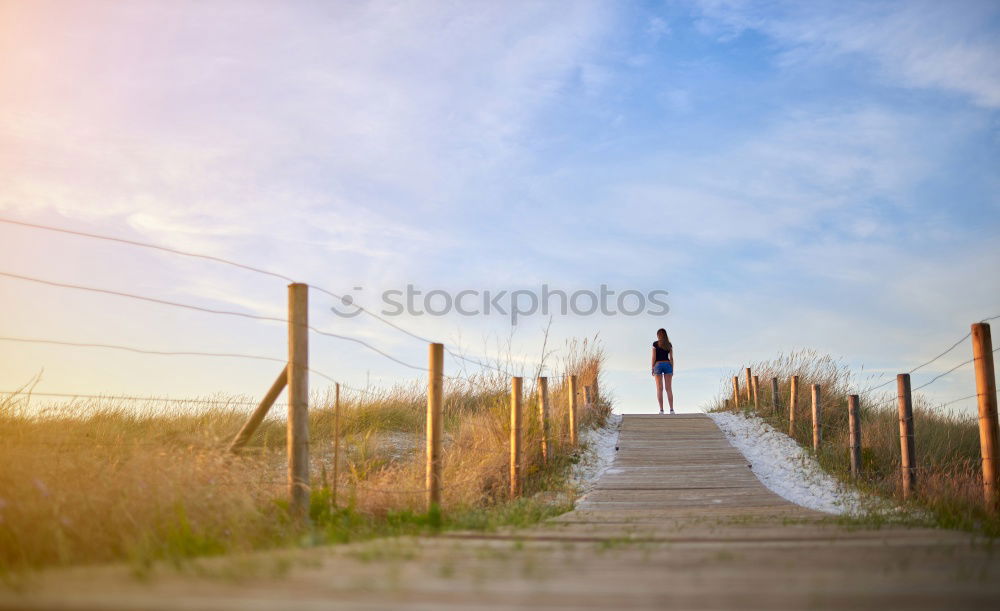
(109,479)
(949,479)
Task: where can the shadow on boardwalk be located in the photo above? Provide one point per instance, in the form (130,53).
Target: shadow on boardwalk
(679,521)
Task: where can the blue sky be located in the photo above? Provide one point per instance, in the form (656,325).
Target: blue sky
(819,175)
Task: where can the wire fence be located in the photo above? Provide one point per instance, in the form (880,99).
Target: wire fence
(931,361)
(949,438)
(247,315)
(251,268)
(454,353)
(866,392)
(323,455)
(947,403)
(188,306)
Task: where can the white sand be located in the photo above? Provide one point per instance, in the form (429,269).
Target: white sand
(599,454)
(785,467)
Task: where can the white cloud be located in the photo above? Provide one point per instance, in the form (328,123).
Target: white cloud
(336,143)
(658,28)
(353,126)
(677,100)
(919,43)
(377,143)
(785,177)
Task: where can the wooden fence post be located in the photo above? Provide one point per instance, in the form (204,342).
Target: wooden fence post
(336,441)
(543,416)
(572,411)
(817,418)
(774,396)
(749,386)
(257,416)
(736,392)
(986,391)
(515,437)
(756,402)
(298,399)
(793,405)
(435,393)
(854,427)
(908,461)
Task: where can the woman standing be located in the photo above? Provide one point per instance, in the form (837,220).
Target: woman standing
(663,368)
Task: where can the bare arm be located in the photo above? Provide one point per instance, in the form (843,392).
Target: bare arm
(653,363)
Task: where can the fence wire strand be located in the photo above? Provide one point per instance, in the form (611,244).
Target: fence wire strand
(234,355)
(158,399)
(251,268)
(952,347)
(939,376)
(203,309)
(975,396)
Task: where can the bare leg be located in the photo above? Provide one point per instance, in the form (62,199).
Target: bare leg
(659,391)
(668,381)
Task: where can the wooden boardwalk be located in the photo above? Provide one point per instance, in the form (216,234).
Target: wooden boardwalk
(678,522)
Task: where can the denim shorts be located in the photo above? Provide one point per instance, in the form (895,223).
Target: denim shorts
(661,368)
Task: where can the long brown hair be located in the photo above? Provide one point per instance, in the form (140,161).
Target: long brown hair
(663,340)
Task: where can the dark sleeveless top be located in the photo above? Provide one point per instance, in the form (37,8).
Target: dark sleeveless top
(661,354)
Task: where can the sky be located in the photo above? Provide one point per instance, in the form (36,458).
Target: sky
(795,175)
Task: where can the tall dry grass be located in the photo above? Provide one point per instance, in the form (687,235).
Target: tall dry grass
(949,478)
(108,479)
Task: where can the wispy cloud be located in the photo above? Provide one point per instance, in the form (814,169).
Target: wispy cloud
(794,173)
(915,43)
(350,115)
